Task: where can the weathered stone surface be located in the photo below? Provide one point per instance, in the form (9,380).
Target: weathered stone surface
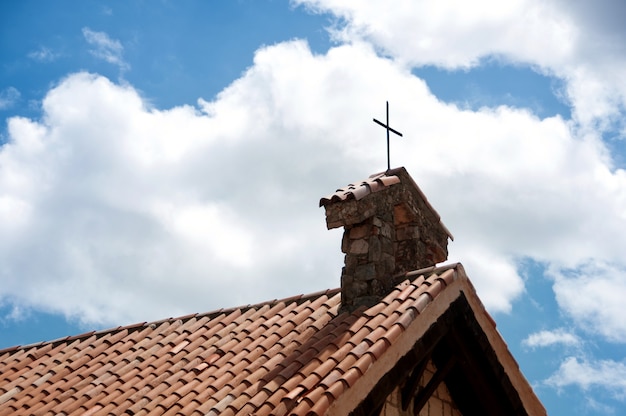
(345,243)
(436,253)
(366,301)
(387,230)
(402,214)
(365,272)
(355,290)
(334,224)
(391,231)
(407,233)
(360,231)
(375,251)
(388,263)
(387,246)
(351,262)
(359,247)
(377,288)
(346,279)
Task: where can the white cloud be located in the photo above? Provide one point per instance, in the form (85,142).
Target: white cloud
(134,213)
(8,97)
(43,54)
(582,44)
(594,296)
(15,313)
(599,408)
(549,338)
(491,270)
(110,50)
(606,374)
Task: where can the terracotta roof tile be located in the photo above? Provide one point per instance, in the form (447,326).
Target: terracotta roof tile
(320,404)
(359,190)
(291,355)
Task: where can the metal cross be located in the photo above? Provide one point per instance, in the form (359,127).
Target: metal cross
(386,126)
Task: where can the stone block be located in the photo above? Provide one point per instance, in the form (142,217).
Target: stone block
(436,253)
(355,289)
(407,233)
(366,301)
(375,250)
(359,247)
(378,288)
(360,231)
(388,264)
(386,246)
(365,272)
(386,230)
(346,279)
(330,223)
(345,243)
(351,262)
(402,214)
(387,216)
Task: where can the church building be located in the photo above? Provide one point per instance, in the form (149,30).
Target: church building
(404,334)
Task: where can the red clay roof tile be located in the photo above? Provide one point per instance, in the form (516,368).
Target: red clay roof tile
(299,350)
(359,190)
(351,376)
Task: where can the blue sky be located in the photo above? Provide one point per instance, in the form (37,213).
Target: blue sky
(160,158)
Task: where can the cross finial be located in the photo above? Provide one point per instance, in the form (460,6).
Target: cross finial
(386,126)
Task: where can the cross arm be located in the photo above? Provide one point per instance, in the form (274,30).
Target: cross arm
(387,127)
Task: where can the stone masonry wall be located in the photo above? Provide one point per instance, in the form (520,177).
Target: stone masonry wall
(369,262)
(385,234)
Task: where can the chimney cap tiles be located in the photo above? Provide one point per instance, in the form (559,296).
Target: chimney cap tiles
(357,191)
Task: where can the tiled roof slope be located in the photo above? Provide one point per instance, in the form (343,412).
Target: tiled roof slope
(293,356)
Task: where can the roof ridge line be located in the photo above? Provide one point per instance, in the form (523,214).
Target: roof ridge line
(398,278)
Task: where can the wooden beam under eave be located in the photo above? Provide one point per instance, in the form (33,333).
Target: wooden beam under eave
(423,395)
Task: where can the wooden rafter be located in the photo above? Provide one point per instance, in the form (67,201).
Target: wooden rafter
(424,394)
(412,383)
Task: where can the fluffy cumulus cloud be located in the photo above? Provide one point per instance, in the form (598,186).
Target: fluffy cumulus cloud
(606,374)
(114,211)
(571,40)
(594,296)
(548,338)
